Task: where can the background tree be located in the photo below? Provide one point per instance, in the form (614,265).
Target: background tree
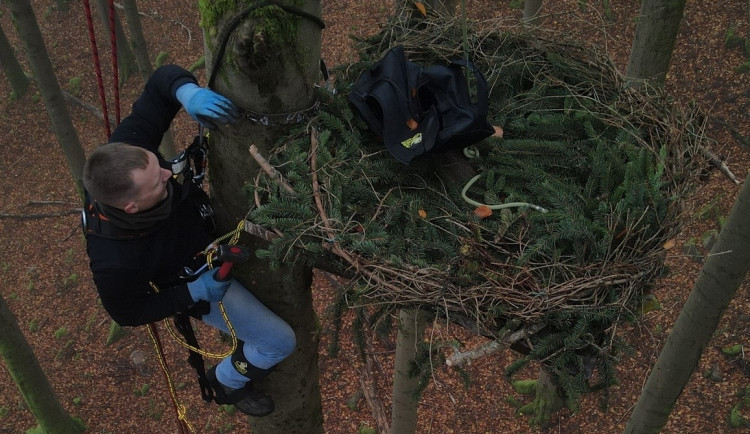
(126,65)
(140,49)
(138,39)
(30,378)
(12,68)
(27,28)
(722,274)
(411,325)
(658,24)
(270,66)
(531,9)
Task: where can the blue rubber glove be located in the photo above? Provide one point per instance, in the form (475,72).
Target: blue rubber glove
(205,106)
(207,288)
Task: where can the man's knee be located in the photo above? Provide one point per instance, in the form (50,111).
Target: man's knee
(289,343)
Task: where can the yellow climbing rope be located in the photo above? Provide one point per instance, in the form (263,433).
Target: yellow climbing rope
(180,408)
(234,236)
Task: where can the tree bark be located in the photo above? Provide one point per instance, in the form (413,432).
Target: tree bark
(13,70)
(655,35)
(411,324)
(722,274)
(140,49)
(26,26)
(262,74)
(30,378)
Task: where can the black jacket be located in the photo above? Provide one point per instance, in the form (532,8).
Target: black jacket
(122,268)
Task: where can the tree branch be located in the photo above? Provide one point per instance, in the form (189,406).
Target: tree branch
(371,396)
(716,161)
(4,216)
(460,358)
(270,170)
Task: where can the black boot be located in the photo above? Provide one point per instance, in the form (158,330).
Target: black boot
(247,399)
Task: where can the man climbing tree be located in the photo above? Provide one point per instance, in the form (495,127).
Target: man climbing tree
(149,238)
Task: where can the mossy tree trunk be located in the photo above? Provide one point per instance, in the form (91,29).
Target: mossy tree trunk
(655,34)
(13,70)
(722,274)
(270,66)
(411,324)
(30,378)
(28,29)
(547,399)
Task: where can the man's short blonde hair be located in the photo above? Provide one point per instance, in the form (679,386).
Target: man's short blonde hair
(106,174)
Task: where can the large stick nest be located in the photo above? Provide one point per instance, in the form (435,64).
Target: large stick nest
(610,163)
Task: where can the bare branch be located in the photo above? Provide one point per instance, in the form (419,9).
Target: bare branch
(460,358)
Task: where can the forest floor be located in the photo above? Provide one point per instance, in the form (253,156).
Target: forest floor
(44,273)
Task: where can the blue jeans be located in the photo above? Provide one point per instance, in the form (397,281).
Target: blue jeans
(268,338)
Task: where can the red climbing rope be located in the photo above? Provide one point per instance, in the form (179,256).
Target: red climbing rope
(113,42)
(97,66)
(183,424)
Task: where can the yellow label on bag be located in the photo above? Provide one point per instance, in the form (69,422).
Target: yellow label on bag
(408,143)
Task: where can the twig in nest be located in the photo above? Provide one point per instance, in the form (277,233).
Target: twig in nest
(272,173)
(335,247)
(259,231)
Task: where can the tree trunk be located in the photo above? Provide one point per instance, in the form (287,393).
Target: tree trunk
(531,9)
(411,324)
(30,379)
(13,70)
(266,73)
(140,48)
(27,28)
(655,35)
(125,62)
(722,274)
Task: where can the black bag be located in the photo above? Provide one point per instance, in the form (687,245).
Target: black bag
(418,110)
